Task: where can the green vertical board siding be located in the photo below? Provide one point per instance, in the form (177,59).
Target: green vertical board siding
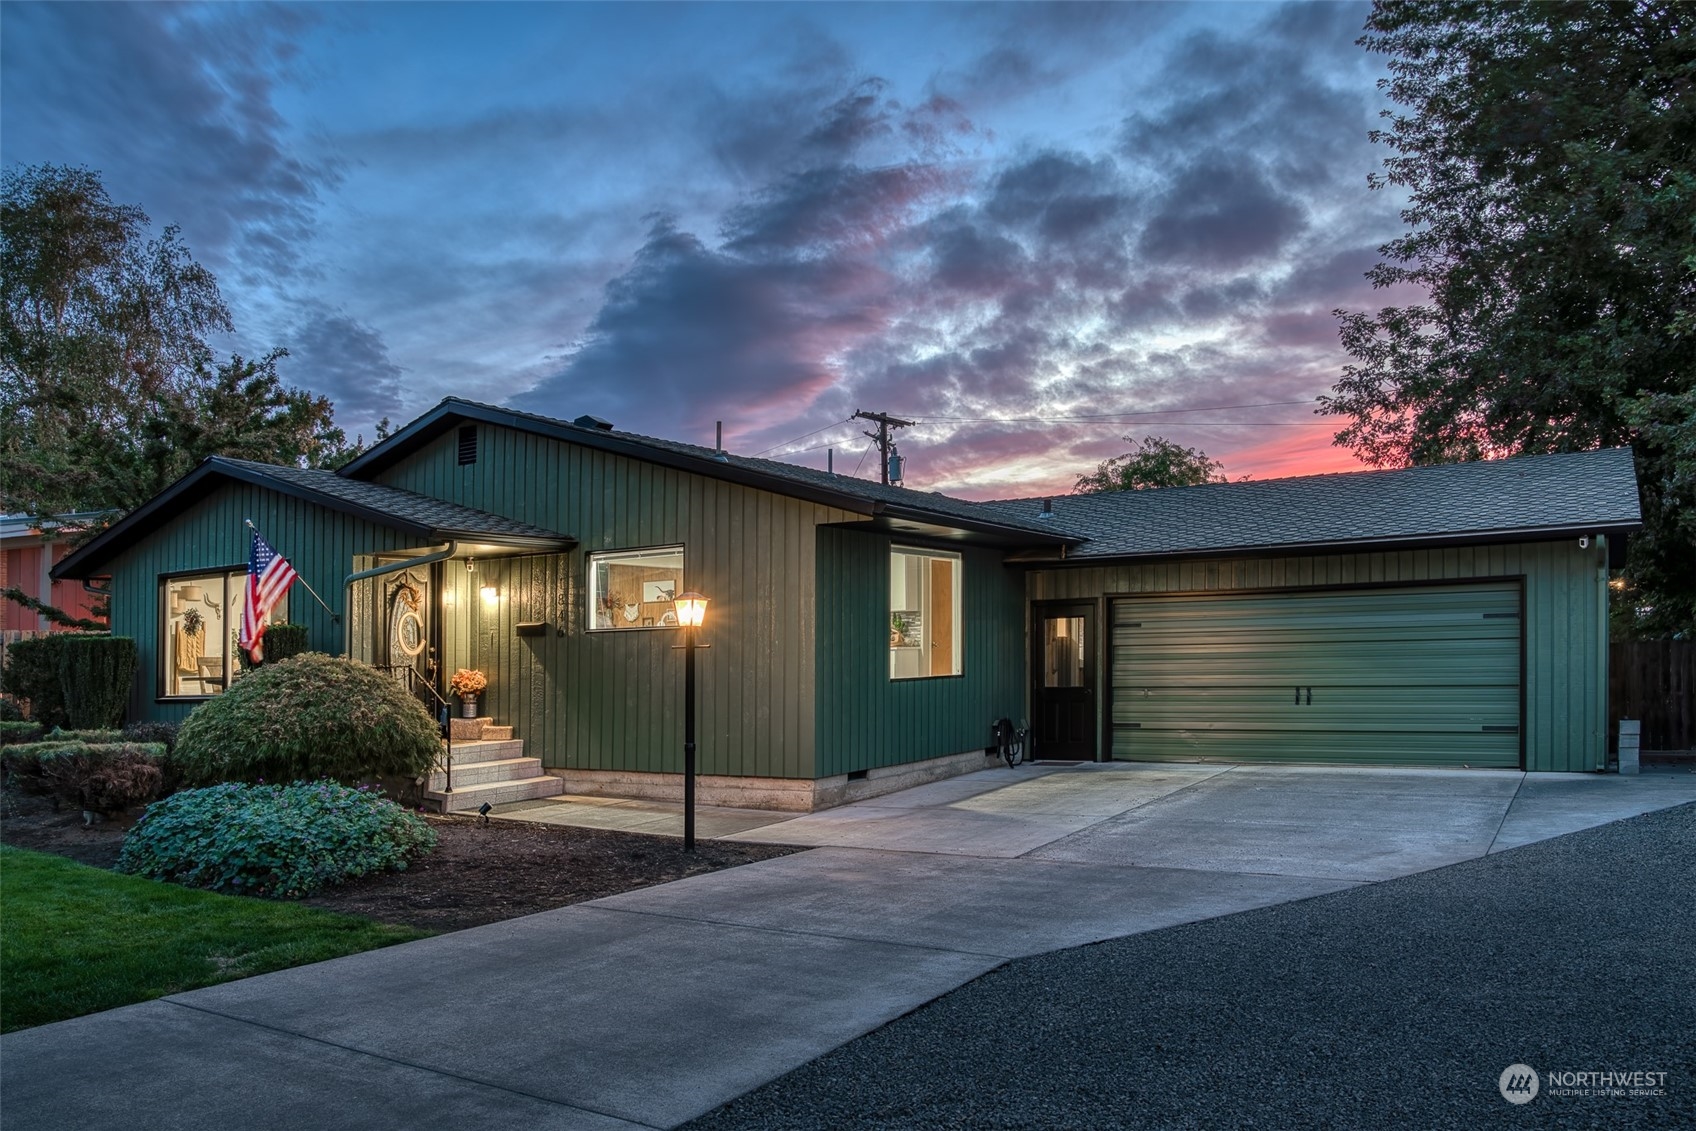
(1565,621)
(1422,676)
(867,720)
(321,544)
(613,700)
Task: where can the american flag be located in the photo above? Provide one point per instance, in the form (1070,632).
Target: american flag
(269,576)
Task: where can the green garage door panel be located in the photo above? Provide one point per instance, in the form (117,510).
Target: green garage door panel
(1415,676)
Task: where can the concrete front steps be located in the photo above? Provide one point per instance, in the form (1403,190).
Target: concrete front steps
(492,770)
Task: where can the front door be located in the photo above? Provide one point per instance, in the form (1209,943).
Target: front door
(1063,681)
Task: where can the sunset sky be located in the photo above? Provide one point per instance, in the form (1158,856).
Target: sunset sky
(1022,225)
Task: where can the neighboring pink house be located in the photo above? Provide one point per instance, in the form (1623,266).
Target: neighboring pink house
(25,559)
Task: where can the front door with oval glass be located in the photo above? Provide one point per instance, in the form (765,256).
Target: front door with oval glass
(1063,681)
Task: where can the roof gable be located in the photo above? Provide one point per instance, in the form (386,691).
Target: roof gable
(429,519)
(880,503)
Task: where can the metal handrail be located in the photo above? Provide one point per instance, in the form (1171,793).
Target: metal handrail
(413,682)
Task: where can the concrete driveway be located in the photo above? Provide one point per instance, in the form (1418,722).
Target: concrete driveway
(649,1008)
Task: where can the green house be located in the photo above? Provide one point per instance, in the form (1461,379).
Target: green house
(864,638)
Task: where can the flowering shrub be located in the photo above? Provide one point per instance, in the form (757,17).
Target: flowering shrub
(276,840)
(468,681)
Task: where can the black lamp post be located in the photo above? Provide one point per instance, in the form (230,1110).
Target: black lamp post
(691,610)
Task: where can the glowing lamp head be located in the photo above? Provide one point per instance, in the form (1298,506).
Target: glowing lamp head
(691,609)
(490,594)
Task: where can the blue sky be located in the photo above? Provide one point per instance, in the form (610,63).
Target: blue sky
(1019,224)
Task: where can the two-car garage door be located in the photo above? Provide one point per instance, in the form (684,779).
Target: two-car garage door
(1426,675)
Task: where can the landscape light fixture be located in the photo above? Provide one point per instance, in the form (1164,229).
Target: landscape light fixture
(691,609)
(483,811)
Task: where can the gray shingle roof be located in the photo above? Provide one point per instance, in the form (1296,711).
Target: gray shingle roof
(438,516)
(1570,491)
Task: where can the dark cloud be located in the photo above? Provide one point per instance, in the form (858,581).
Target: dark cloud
(1033,46)
(688,330)
(831,206)
(177,107)
(1220,213)
(1061,197)
(334,354)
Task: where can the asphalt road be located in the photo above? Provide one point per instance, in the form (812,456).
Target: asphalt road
(1393,1005)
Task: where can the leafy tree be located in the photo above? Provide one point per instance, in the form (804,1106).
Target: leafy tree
(111,390)
(1548,154)
(1154,462)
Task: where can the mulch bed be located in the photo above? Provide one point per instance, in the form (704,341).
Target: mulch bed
(477,874)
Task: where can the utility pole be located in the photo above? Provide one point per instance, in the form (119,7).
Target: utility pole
(881,438)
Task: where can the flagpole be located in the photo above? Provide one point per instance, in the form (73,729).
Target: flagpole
(335,617)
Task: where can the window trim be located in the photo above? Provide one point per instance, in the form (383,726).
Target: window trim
(589,594)
(959,560)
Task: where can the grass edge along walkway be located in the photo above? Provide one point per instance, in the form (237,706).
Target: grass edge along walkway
(76,939)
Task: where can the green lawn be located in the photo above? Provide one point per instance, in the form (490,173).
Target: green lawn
(75,939)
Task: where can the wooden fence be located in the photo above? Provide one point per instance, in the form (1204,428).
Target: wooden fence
(1655,681)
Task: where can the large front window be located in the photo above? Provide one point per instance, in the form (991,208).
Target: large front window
(634,588)
(924,614)
(200,615)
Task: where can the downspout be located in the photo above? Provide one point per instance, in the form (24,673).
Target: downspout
(367,574)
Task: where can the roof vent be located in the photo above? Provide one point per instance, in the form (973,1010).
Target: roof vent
(587,421)
(467,444)
(1047,510)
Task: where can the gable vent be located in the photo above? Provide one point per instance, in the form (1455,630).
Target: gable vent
(467,444)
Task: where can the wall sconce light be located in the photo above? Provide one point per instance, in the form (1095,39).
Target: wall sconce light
(490,594)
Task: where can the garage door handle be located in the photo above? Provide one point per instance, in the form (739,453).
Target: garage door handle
(1310,697)
(1298,696)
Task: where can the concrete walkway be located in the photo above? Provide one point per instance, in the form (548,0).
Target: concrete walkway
(648,1008)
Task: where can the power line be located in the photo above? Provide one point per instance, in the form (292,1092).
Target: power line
(809,435)
(863,454)
(1099,416)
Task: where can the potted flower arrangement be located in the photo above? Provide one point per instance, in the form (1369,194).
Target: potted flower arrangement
(468,683)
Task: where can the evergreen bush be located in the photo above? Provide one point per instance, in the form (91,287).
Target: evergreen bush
(105,777)
(32,674)
(310,716)
(95,673)
(276,840)
(15,732)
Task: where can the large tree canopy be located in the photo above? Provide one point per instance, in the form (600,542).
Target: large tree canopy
(109,389)
(1152,462)
(1548,154)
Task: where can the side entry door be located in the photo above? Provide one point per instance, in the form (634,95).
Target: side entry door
(1063,680)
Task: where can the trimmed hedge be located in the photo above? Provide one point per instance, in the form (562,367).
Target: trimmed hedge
(98,777)
(71,678)
(32,673)
(281,642)
(277,840)
(95,674)
(310,716)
